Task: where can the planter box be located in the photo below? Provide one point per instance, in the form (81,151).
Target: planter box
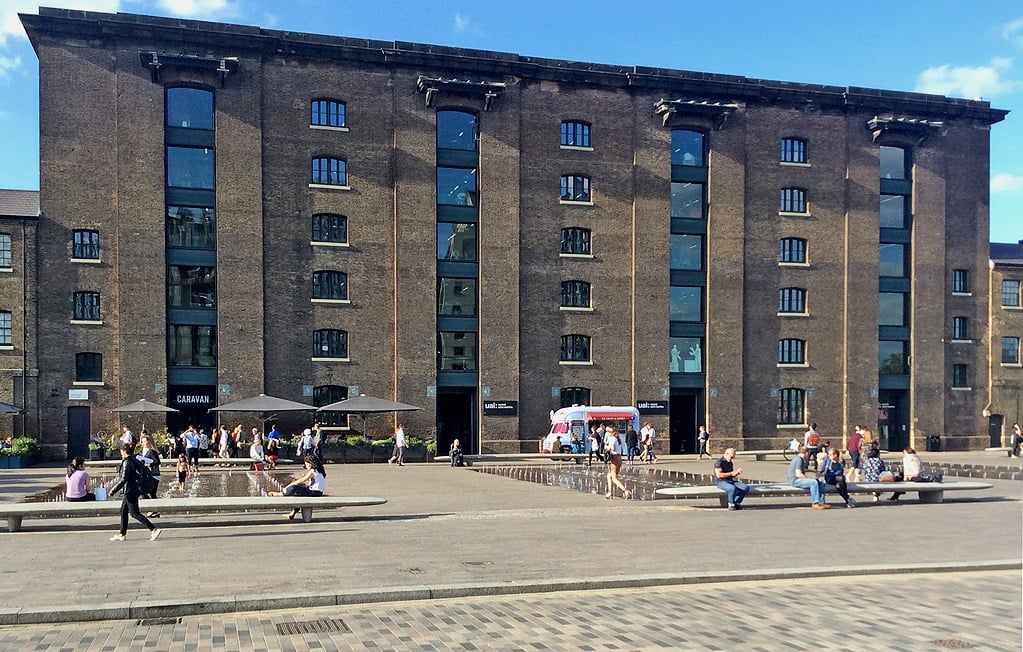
(5,462)
(14,462)
(95,453)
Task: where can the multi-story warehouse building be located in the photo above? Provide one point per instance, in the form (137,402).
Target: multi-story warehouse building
(228,210)
(1005,375)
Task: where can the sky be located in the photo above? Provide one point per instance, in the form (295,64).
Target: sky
(946,47)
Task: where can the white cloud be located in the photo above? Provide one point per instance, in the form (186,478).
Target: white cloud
(1013,32)
(965,81)
(461,24)
(7,64)
(10,24)
(1007,183)
(204,9)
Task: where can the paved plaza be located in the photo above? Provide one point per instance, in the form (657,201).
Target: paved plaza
(464,560)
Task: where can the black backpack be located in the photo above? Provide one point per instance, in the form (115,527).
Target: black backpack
(147,482)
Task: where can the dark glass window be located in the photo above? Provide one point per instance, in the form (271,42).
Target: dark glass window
(575,240)
(190,167)
(191,345)
(330,284)
(575,294)
(574,396)
(575,188)
(892,260)
(191,227)
(1010,294)
(793,200)
(190,286)
(575,134)
(189,108)
(456,297)
(327,113)
(686,148)
(685,355)
(960,328)
(575,348)
(6,331)
(792,300)
(330,343)
(685,303)
(961,281)
(793,150)
(329,171)
(791,351)
(456,187)
(892,358)
(456,351)
(792,250)
(894,163)
(1010,350)
(959,372)
(686,252)
(791,406)
(893,211)
(328,227)
(5,250)
(891,309)
(86,306)
(325,395)
(86,245)
(687,200)
(456,241)
(88,367)
(457,130)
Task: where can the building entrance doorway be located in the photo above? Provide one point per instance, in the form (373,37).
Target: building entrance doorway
(456,419)
(893,419)
(78,431)
(995,423)
(684,410)
(193,403)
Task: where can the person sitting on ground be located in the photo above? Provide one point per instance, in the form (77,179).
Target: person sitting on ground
(728,479)
(78,482)
(798,478)
(311,483)
(833,470)
(457,457)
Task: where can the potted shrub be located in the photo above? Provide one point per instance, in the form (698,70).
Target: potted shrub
(23,452)
(96,450)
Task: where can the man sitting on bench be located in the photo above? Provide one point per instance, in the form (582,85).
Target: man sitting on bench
(728,479)
(798,478)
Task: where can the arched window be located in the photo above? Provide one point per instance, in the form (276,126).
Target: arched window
(575,134)
(330,343)
(575,348)
(792,300)
(793,200)
(330,284)
(189,108)
(574,396)
(793,150)
(325,395)
(329,171)
(88,367)
(792,250)
(791,351)
(575,294)
(327,113)
(575,240)
(575,187)
(791,406)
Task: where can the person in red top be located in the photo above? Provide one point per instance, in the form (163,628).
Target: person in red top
(853,446)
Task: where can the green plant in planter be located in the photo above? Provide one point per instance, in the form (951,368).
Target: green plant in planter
(25,447)
(96,446)
(354,440)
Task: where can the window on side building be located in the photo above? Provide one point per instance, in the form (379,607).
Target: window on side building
(793,200)
(791,351)
(575,348)
(574,396)
(86,306)
(330,343)
(792,250)
(325,395)
(575,134)
(960,281)
(328,227)
(575,294)
(330,284)
(88,367)
(1010,294)
(329,171)
(793,150)
(1010,350)
(5,250)
(575,188)
(6,330)
(959,376)
(687,148)
(86,245)
(327,113)
(960,328)
(575,241)
(792,300)
(791,406)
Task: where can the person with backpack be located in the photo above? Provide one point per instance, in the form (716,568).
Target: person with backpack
(151,459)
(812,441)
(129,481)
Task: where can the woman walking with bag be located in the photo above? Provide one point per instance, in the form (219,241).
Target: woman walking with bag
(613,446)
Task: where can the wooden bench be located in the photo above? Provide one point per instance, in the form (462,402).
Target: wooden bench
(1000,449)
(169,463)
(15,512)
(578,458)
(928,492)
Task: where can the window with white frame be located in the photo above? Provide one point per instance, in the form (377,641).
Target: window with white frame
(6,331)
(1010,350)
(793,200)
(1010,293)
(793,150)
(575,348)
(791,351)
(575,188)
(791,406)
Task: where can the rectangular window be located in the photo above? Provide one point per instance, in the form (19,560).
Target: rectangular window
(456,297)
(793,200)
(457,130)
(792,250)
(892,358)
(88,368)
(687,200)
(86,306)
(456,351)
(328,171)
(1010,350)
(189,108)
(686,303)
(327,113)
(456,241)
(190,167)
(325,395)
(793,150)
(575,348)
(456,187)
(575,241)
(86,245)
(791,406)
(791,351)
(330,343)
(1010,294)
(686,148)
(960,328)
(894,163)
(686,252)
(959,379)
(892,260)
(192,287)
(191,227)
(575,294)
(6,331)
(792,300)
(191,346)
(574,396)
(575,188)
(5,250)
(575,134)
(892,309)
(330,284)
(961,281)
(328,227)
(893,212)
(685,355)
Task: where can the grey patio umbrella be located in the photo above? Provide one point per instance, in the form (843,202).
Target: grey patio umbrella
(142,406)
(365,405)
(7,408)
(263,404)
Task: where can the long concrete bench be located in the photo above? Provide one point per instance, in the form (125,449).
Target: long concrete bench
(999,449)
(168,463)
(515,457)
(761,455)
(928,492)
(15,512)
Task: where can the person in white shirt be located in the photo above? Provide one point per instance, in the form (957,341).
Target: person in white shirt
(399,447)
(127,436)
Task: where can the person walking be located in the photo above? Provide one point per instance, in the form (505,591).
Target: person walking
(399,447)
(631,443)
(853,446)
(151,457)
(701,442)
(129,482)
(1017,440)
(812,441)
(613,448)
(728,479)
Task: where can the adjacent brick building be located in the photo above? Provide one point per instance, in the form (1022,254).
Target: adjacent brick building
(228,210)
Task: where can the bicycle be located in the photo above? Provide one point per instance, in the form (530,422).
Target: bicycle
(791,450)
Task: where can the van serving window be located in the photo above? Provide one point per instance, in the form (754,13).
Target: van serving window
(610,416)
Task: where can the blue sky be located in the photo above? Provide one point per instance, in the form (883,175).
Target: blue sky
(948,47)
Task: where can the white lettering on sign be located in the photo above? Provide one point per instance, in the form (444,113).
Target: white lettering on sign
(194,399)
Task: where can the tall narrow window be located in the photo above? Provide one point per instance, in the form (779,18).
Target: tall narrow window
(325,395)
(575,134)
(685,303)
(456,186)
(190,345)
(894,163)
(191,286)
(86,245)
(791,406)
(793,150)
(574,396)
(457,130)
(189,108)
(792,250)
(5,250)
(575,188)
(190,168)
(456,241)
(793,200)
(893,308)
(960,328)
(892,259)
(959,379)
(88,367)
(575,294)
(686,252)
(456,351)
(328,227)
(575,348)
(1010,350)
(456,297)
(330,343)
(191,227)
(6,331)
(330,284)
(687,200)
(892,358)
(791,351)
(687,148)
(1010,294)
(329,171)
(327,113)
(961,281)
(86,306)
(893,211)
(575,240)
(792,300)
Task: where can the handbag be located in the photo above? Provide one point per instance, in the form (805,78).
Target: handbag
(886,476)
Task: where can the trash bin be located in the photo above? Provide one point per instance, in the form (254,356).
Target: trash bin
(934,443)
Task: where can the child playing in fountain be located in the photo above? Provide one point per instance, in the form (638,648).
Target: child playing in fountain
(182,469)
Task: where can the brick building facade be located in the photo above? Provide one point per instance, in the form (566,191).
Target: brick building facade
(491,236)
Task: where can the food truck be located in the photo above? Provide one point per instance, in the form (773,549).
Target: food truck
(571,425)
